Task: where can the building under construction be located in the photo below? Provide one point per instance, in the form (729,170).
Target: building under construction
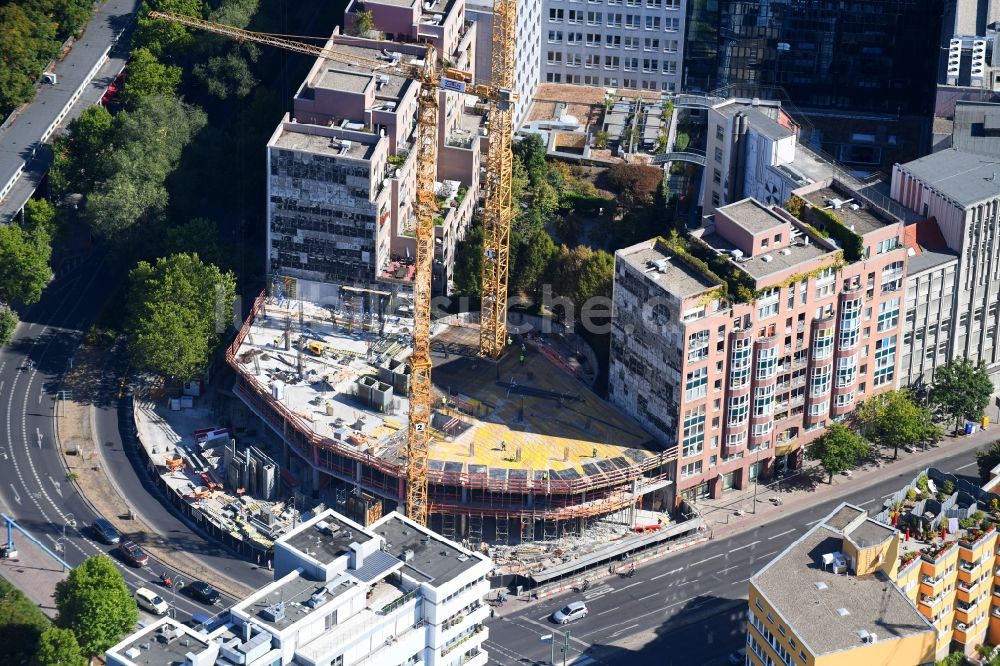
(521,451)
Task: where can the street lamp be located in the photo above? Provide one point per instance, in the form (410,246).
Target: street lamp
(69,520)
(178,583)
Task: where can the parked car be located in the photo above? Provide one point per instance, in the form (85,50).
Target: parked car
(738,658)
(201,591)
(573,611)
(105,531)
(151,601)
(132,554)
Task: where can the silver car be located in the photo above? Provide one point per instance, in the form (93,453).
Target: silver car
(573,611)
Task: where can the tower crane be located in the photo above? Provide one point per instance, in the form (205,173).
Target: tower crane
(431,76)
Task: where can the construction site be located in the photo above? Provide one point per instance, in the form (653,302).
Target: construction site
(523,454)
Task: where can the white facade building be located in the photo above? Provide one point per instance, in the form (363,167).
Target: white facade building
(343,595)
(630,44)
(960,190)
(527,62)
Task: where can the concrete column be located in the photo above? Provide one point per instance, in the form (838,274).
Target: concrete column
(315,479)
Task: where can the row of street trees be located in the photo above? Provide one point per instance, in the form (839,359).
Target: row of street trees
(961,391)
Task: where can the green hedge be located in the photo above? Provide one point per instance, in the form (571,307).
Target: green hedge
(830,225)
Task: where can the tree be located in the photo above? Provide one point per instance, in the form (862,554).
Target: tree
(469,263)
(635,184)
(531,152)
(166,39)
(893,418)
(29,41)
(58,647)
(988,458)
(178,309)
(81,155)
(229,75)
(147,77)
(95,604)
(149,144)
(8,324)
(364,23)
(534,256)
(24,263)
(582,273)
(837,450)
(961,390)
(41,214)
(199,235)
(21,623)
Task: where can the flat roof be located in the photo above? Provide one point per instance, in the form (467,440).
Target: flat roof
(759,119)
(290,139)
(810,597)
(760,268)
(435,560)
(327,539)
(964,177)
(675,277)
(929,259)
(294,592)
(862,220)
(753,216)
(337,75)
(166,641)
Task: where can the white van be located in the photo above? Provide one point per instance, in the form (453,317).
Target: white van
(151,601)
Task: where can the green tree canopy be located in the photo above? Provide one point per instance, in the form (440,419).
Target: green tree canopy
(229,75)
(837,450)
(531,152)
(81,155)
(582,273)
(21,623)
(364,23)
(961,390)
(893,419)
(95,604)
(58,647)
(469,263)
(41,214)
(8,324)
(149,144)
(147,77)
(29,41)
(166,39)
(178,309)
(24,263)
(199,235)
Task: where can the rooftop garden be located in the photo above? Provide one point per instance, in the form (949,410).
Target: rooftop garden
(828,225)
(698,255)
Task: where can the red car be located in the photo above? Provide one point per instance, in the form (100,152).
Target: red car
(113,89)
(132,554)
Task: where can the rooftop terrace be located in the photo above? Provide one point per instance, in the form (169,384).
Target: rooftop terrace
(665,267)
(852,210)
(804,249)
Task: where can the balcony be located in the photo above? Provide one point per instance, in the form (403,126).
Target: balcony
(932,581)
(969,567)
(931,601)
(968,587)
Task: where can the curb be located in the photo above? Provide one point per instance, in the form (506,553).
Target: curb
(604,573)
(226,589)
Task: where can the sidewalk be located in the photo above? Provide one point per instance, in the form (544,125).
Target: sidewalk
(34,573)
(809,486)
(84,462)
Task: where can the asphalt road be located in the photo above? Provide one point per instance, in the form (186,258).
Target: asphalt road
(20,142)
(688,608)
(33,486)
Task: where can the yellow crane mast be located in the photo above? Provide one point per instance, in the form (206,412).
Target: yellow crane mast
(431,77)
(496,200)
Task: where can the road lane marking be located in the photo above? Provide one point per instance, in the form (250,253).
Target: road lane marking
(874,499)
(761,557)
(749,545)
(782,534)
(729,568)
(813,522)
(620,632)
(668,573)
(707,559)
(628,586)
(646,597)
(737,582)
(688,582)
(17,498)
(964,466)
(599,591)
